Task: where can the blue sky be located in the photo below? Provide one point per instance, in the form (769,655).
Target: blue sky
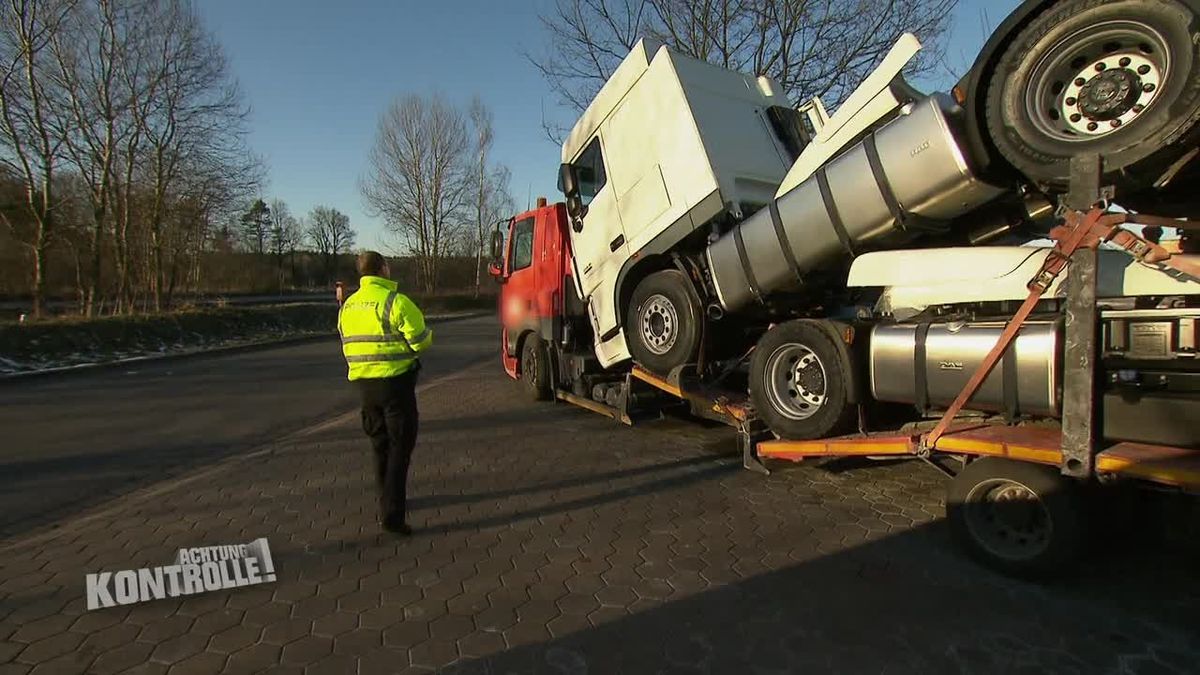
(318,73)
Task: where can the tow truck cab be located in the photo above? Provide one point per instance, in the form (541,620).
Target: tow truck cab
(531,260)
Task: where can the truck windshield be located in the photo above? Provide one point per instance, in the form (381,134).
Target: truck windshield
(589,171)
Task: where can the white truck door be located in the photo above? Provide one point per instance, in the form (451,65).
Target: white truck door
(598,240)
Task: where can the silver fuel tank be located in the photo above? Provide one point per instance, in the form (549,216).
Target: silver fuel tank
(878,194)
(927,364)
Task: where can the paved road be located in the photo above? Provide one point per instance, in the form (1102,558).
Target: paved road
(72,441)
(552,540)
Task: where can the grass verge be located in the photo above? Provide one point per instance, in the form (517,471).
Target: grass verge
(73,341)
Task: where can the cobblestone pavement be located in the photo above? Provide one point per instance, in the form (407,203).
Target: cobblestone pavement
(553,540)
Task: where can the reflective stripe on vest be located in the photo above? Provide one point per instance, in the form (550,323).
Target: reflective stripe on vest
(375,338)
(386,317)
(372,358)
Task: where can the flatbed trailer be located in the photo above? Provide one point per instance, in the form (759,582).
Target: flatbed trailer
(988,463)
(1162,465)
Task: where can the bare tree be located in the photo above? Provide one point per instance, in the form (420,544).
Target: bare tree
(197,117)
(30,133)
(418,178)
(811,47)
(285,237)
(490,187)
(88,52)
(498,204)
(257,223)
(330,234)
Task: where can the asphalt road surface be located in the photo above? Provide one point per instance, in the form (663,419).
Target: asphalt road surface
(69,442)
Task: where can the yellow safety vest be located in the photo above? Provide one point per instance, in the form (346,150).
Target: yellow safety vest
(382,330)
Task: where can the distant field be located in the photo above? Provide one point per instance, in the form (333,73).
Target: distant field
(66,341)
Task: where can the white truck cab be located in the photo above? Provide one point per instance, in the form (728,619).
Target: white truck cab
(672,147)
(669,144)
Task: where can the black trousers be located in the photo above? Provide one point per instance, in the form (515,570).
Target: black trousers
(390,419)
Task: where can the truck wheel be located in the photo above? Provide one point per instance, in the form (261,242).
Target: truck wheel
(1120,78)
(535,371)
(798,384)
(663,322)
(1018,518)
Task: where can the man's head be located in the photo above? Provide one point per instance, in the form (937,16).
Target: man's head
(372,264)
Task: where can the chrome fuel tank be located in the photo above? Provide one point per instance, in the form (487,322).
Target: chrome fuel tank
(928,364)
(879,193)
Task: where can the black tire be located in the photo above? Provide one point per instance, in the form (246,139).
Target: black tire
(1018,518)
(663,322)
(1102,44)
(801,353)
(535,369)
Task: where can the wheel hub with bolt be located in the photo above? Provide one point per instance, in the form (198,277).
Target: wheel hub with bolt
(1008,519)
(528,369)
(1088,86)
(659,324)
(1115,90)
(796,381)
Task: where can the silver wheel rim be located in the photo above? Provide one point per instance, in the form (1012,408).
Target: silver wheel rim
(659,324)
(796,381)
(1095,82)
(1008,519)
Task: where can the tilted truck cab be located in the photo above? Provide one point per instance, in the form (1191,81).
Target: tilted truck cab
(669,145)
(675,154)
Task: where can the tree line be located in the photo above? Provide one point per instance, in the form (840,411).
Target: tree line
(122,146)
(271,231)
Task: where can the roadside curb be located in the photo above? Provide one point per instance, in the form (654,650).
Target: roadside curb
(197,353)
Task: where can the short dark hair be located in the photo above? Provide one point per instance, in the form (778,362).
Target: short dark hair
(370,264)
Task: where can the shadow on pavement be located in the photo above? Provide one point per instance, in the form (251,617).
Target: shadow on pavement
(888,605)
(714,470)
(596,478)
(680,473)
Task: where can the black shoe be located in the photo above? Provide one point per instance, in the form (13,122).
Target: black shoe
(396,526)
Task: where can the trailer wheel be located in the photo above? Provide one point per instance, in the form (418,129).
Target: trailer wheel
(663,322)
(1120,78)
(798,384)
(1018,518)
(535,370)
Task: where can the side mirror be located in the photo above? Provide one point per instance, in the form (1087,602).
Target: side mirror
(497,245)
(570,188)
(576,210)
(495,271)
(566,181)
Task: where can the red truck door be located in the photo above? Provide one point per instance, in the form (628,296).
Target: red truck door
(519,291)
(535,262)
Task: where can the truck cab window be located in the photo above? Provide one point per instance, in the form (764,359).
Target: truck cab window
(589,172)
(522,245)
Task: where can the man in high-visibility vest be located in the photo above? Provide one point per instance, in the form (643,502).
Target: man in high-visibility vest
(383,334)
